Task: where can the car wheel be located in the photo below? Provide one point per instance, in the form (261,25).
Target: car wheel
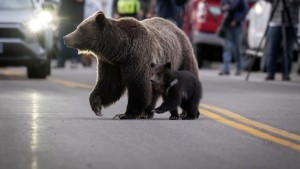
(37,71)
(48,67)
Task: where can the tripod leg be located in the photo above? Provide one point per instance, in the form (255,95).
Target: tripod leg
(262,39)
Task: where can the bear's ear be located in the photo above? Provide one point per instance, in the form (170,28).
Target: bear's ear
(152,65)
(100,18)
(168,65)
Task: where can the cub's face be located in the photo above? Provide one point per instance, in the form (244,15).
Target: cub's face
(159,73)
(87,33)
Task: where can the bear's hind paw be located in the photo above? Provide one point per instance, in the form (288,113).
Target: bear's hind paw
(173,118)
(123,116)
(189,118)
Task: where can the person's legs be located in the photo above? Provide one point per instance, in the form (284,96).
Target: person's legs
(63,50)
(273,45)
(287,60)
(237,43)
(74,56)
(227,52)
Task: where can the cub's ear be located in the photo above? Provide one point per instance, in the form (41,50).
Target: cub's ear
(168,65)
(152,65)
(100,17)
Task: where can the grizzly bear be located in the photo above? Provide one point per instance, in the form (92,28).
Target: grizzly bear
(179,88)
(124,48)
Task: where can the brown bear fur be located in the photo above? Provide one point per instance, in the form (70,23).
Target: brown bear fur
(124,48)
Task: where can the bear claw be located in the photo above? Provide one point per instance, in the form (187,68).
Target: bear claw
(98,111)
(173,118)
(158,111)
(123,116)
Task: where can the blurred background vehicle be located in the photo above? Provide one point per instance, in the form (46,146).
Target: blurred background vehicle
(255,32)
(26,36)
(201,21)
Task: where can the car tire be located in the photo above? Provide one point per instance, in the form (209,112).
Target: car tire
(37,71)
(48,67)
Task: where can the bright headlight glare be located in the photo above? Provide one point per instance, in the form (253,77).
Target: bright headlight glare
(35,25)
(45,17)
(40,22)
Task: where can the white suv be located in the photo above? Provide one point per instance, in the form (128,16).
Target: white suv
(26,36)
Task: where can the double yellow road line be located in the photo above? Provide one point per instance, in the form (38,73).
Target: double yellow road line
(231,119)
(225,117)
(252,127)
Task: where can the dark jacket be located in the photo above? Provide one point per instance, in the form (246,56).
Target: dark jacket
(293,9)
(167,9)
(237,11)
(71,11)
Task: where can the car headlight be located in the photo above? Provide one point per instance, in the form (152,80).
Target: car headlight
(40,22)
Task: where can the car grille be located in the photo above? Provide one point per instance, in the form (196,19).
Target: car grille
(11,33)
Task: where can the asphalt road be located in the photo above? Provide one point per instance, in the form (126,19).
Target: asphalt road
(48,124)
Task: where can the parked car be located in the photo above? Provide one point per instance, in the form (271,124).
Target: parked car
(201,21)
(26,36)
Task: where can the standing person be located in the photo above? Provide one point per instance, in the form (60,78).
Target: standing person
(108,7)
(70,14)
(90,7)
(166,9)
(275,38)
(126,8)
(236,12)
(145,4)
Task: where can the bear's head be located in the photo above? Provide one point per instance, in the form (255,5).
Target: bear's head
(161,73)
(88,34)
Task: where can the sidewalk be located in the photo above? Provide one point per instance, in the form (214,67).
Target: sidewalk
(214,68)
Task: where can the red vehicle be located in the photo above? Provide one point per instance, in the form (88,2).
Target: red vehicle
(201,21)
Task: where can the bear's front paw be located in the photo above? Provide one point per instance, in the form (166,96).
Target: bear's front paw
(148,114)
(158,111)
(183,115)
(96,106)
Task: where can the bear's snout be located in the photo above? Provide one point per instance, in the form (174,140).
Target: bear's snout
(67,41)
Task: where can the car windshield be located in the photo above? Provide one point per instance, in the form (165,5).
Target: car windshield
(15,4)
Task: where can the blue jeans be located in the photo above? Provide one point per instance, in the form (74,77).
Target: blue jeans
(232,44)
(65,52)
(273,47)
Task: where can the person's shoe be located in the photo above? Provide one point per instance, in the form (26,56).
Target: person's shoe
(238,73)
(74,65)
(224,73)
(58,67)
(286,78)
(270,77)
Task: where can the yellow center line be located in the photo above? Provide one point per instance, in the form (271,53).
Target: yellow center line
(253,123)
(69,83)
(250,130)
(8,72)
(231,123)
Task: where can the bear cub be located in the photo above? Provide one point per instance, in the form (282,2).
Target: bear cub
(178,88)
